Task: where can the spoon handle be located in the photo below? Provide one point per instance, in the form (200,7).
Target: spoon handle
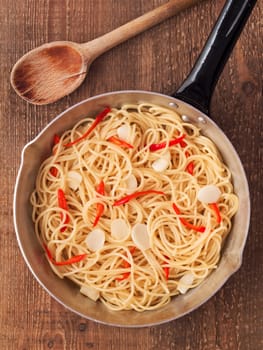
(98,46)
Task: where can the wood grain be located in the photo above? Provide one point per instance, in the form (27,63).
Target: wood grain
(157,60)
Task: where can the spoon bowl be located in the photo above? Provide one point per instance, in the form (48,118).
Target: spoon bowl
(54,70)
(49,72)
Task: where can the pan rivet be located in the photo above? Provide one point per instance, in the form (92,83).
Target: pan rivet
(201,120)
(173,104)
(185,118)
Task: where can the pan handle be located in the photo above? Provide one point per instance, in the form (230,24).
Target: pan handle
(198,87)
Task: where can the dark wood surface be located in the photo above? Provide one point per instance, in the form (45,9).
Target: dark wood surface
(157,60)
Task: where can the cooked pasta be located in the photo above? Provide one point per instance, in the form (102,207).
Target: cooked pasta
(134,206)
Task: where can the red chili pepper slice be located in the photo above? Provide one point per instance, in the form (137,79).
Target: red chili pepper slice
(156,146)
(100,210)
(100,207)
(191,226)
(132,250)
(190,168)
(183,144)
(176,209)
(123,277)
(62,199)
(186,223)
(54,171)
(70,261)
(215,207)
(93,125)
(166,270)
(119,142)
(101,188)
(48,252)
(62,203)
(56,139)
(126,264)
(135,195)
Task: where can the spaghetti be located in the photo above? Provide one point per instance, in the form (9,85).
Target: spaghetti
(118,211)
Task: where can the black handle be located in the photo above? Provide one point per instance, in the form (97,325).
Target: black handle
(198,87)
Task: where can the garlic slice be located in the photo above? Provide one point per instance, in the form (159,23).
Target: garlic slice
(74,179)
(208,194)
(90,292)
(95,239)
(185,282)
(124,132)
(160,164)
(119,229)
(140,236)
(131,184)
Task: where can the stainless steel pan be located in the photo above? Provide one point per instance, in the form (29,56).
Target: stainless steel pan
(192,102)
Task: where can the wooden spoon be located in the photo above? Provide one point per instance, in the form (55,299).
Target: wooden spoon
(54,70)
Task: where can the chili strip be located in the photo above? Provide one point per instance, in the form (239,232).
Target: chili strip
(135,195)
(214,206)
(54,171)
(100,207)
(183,144)
(126,264)
(123,277)
(191,226)
(156,146)
(119,142)
(99,212)
(93,125)
(190,168)
(101,188)
(70,261)
(186,223)
(62,203)
(166,270)
(56,139)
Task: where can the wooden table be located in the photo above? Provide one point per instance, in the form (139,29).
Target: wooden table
(157,60)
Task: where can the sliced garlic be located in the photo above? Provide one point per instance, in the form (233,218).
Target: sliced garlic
(185,282)
(119,229)
(95,239)
(131,184)
(209,194)
(74,179)
(160,164)
(140,236)
(124,132)
(90,292)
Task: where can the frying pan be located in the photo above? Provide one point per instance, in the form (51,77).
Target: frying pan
(192,101)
